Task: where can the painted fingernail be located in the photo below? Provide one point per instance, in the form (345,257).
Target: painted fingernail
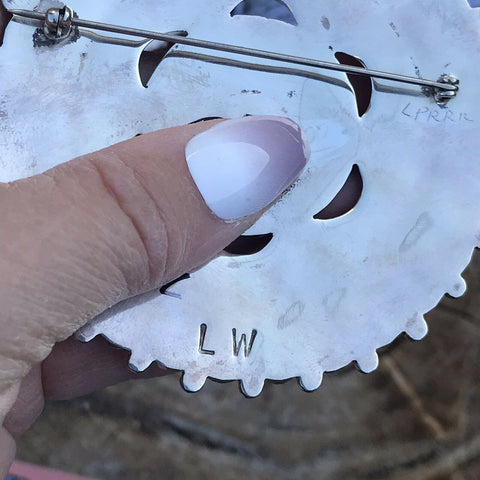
(241,166)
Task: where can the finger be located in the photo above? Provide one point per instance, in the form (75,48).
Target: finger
(74,369)
(28,405)
(92,232)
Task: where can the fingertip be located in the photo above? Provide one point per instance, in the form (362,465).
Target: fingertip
(241,166)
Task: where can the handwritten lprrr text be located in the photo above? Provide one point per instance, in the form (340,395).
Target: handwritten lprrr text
(435,114)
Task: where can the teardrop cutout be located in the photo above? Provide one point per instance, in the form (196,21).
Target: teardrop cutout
(362,85)
(249,244)
(152,55)
(270,9)
(346,199)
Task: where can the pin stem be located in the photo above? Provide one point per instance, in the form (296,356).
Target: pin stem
(251,52)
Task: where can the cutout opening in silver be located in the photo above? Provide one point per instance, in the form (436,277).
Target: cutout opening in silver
(270,9)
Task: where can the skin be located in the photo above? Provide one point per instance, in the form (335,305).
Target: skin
(82,237)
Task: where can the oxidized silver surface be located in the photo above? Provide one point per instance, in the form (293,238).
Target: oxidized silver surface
(322,293)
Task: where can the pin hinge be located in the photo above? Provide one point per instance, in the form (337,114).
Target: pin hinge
(58,23)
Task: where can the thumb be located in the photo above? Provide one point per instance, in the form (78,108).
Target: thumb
(135,216)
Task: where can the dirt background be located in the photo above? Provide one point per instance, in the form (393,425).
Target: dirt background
(416,417)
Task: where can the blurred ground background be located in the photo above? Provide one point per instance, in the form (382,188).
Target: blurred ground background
(416,417)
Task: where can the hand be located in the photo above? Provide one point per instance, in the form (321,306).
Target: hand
(99,229)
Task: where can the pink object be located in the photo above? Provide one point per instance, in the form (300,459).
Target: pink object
(26,471)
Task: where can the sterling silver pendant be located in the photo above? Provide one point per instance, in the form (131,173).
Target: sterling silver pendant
(314,294)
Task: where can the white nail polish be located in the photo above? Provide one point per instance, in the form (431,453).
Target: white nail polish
(241,166)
